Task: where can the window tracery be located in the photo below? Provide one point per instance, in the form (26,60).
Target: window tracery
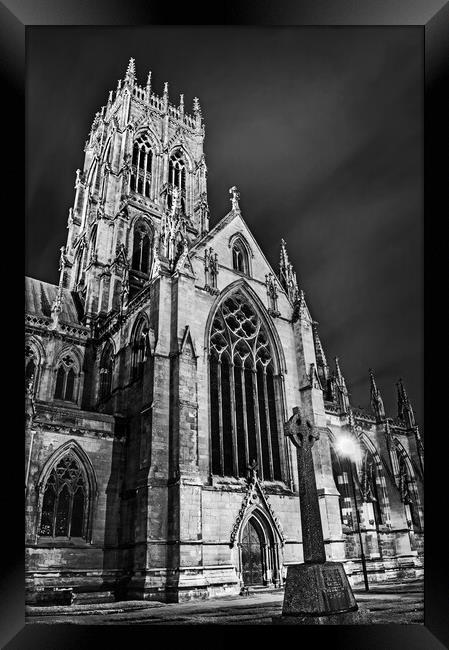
(141,165)
(244,407)
(139,348)
(407,494)
(240,257)
(177,178)
(141,258)
(368,488)
(65,379)
(65,500)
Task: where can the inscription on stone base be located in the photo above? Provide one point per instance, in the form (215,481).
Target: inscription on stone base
(317,590)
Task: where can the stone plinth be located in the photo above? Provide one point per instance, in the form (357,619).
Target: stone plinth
(317,590)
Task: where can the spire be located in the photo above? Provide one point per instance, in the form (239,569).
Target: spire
(405,410)
(130,75)
(342,391)
(181,104)
(322,367)
(235,195)
(287,275)
(376,401)
(148,86)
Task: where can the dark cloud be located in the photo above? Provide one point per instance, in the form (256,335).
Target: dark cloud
(321,130)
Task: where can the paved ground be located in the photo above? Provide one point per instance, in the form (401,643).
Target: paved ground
(390,603)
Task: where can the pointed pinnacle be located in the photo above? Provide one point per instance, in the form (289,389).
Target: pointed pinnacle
(149,79)
(284,254)
(337,367)
(131,69)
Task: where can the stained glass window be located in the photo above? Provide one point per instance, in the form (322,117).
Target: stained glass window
(244,405)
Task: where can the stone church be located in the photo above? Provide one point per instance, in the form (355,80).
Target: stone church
(159,374)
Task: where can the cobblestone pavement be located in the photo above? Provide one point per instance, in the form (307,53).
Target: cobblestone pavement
(391,603)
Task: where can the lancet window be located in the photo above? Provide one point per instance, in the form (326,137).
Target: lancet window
(106,370)
(369,478)
(139,348)
(243,393)
(347,498)
(177,177)
(65,379)
(240,257)
(406,489)
(141,166)
(142,243)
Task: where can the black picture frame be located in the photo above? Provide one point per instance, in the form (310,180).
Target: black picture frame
(433,16)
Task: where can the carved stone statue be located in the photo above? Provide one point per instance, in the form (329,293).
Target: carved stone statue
(234,198)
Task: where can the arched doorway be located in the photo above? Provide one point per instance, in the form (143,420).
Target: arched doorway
(251,547)
(259,552)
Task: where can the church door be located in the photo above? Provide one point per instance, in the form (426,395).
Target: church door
(251,556)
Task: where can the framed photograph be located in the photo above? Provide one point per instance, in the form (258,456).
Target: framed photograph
(224,300)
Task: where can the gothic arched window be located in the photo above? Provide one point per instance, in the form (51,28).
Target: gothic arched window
(369,479)
(65,379)
(141,165)
(407,494)
(240,257)
(340,474)
(142,245)
(64,511)
(243,393)
(139,348)
(177,177)
(106,370)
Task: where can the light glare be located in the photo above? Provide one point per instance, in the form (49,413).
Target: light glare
(346,446)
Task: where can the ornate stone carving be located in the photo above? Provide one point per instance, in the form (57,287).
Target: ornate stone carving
(300,430)
(234,199)
(210,268)
(255,495)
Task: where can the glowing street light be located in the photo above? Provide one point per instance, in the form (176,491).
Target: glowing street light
(347,447)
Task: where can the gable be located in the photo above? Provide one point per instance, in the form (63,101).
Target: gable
(221,238)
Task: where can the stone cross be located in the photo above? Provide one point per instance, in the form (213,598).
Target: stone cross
(303,435)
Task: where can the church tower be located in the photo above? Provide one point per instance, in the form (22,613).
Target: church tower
(141,198)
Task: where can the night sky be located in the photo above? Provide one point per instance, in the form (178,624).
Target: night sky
(321,131)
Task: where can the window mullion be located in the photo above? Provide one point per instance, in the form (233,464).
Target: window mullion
(220,416)
(284,458)
(137,170)
(140,252)
(69,524)
(245,415)
(145,162)
(235,461)
(267,418)
(257,421)
(55,511)
(64,385)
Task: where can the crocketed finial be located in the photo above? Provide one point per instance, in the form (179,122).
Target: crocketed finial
(131,70)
